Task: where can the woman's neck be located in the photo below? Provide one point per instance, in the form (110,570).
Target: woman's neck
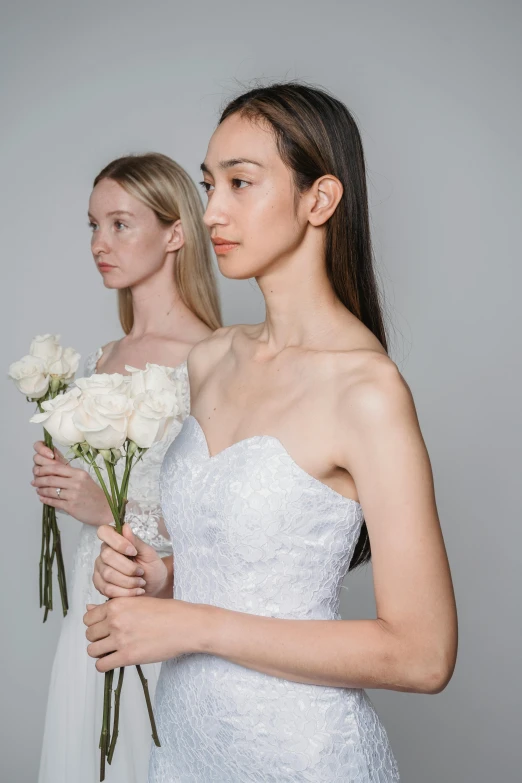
(301,306)
(158,308)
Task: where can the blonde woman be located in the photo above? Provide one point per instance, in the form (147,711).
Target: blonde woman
(150,244)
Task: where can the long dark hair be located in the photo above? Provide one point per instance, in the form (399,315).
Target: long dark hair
(316,135)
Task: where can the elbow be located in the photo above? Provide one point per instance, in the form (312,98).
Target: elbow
(430,672)
(434,680)
(422,667)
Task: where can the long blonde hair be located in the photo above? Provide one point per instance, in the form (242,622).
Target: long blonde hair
(161,184)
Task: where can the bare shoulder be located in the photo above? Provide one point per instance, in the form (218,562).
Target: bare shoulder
(206,354)
(215,345)
(105,353)
(370,390)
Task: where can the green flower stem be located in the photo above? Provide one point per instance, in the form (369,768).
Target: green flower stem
(110,677)
(50,574)
(42,551)
(116,723)
(62,584)
(57,551)
(105,726)
(49,551)
(145,686)
(48,599)
(126,475)
(113,483)
(92,463)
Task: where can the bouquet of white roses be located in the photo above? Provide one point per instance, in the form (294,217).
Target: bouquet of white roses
(42,376)
(106,419)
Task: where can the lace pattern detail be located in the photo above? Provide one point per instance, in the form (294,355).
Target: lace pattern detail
(144,523)
(253,532)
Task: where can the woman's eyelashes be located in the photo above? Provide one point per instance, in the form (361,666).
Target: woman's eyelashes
(118,225)
(235,184)
(240,184)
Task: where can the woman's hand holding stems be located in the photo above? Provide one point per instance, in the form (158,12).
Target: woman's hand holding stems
(146,630)
(80,495)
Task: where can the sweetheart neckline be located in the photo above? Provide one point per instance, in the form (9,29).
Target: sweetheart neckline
(275,440)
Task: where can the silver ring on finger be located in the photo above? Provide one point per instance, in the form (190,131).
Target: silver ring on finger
(58,491)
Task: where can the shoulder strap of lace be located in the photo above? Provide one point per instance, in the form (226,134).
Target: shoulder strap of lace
(91,361)
(181,374)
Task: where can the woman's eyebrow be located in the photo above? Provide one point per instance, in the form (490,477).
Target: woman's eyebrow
(111,214)
(229,164)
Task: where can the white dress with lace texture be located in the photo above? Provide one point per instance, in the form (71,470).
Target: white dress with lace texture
(73,719)
(253,532)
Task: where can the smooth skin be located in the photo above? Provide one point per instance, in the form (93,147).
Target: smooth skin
(140,252)
(356,430)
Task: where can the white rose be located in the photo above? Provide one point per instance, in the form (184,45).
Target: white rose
(31,376)
(153,378)
(104,383)
(46,347)
(103,419)
(59,368)
(58,418)
(65,366)
(152,416)
(72,358)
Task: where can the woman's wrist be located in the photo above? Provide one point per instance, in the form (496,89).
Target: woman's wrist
(106,518)
(207,628)
(166,590)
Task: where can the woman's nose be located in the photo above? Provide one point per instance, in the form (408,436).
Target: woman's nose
(215,215)
(99,244)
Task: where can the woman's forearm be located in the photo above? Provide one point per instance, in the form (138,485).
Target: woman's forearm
(338,653)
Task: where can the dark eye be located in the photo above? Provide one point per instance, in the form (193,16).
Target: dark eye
(119,225)
(93,226)
(207,186)
(239,184)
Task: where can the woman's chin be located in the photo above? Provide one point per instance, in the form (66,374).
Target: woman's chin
(236,270)
(113,284)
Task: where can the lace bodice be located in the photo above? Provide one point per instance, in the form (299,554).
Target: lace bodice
(253,532)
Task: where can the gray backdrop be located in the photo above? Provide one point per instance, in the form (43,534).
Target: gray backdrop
(435,89)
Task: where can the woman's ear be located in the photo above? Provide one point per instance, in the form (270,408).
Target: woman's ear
(326,193)
(175,237)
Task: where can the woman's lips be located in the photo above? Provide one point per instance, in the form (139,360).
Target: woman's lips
(223,245)
(105,267)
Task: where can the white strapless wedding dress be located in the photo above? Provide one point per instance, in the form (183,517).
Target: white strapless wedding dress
(252,532)
(70,751)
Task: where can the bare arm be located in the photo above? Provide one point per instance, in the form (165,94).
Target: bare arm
(411,644)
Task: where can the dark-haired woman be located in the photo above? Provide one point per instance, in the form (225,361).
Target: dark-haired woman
(302,458)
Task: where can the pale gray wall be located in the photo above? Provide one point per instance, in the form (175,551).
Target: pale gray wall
(435,89)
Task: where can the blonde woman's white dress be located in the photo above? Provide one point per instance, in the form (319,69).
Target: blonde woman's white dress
(70,751)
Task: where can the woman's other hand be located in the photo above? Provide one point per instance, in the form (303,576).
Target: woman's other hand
(79,494)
